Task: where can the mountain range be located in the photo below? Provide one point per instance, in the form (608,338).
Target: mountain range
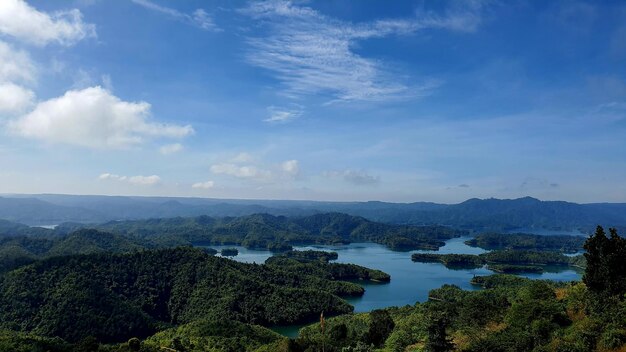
(473,214)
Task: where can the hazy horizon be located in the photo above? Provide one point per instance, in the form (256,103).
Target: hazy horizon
(437,101)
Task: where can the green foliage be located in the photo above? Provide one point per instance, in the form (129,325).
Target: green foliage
(117,297)
(453,261)
(438,340)
(217,335)
(501,261)
(523,241)
(229,252)
(606,263)
(310,255)
(514,269)
(19,251)
(272,232)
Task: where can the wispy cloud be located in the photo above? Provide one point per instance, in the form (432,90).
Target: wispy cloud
(311,53)
(282,115)
(356,177)
(199,18)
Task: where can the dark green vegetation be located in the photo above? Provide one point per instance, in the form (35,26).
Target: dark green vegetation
(311,255)
(514,269)
(23,250)
(113,297)
(476,214)
(229,252)
(302,263)
(523,241)
(450,260)
(268,231)
(528,260)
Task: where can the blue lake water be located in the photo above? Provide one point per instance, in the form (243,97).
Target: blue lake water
(410,281)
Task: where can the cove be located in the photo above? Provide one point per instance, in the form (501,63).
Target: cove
(410,281)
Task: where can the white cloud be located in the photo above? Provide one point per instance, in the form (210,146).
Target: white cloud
(204,185)
(198,18)
(356,177)
(291,168)
(171,148)
(24,22)
(135,180)
(311,53)
(108,176)
(282,115)
(241,171)
(16,65)
(93,118)
(244,166)
(144,180)
(14,98)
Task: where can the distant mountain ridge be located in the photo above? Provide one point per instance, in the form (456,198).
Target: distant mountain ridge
(474,214)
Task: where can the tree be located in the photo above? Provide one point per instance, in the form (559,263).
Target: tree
(606,263)
(381,326)
(438,340)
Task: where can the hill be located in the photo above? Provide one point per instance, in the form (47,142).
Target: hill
(266,231)
(474,214)
(114,297)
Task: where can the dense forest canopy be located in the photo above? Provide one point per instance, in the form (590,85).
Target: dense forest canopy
(113,297)
(269,232)
(523,241)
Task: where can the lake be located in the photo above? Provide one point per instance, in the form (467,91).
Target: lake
(410,281)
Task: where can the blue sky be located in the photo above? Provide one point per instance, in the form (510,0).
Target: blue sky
(331,100)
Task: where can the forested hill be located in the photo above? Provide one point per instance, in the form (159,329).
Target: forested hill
(268,231)
(477,214)
(114,297)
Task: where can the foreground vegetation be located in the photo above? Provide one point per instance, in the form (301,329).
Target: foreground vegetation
(187,300)
(113,297)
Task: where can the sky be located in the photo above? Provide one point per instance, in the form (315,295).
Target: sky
(398,101)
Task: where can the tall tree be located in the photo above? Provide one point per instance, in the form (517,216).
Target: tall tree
(438,340)
(606,263)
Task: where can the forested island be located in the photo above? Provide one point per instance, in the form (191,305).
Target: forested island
(524,241)
(502,260)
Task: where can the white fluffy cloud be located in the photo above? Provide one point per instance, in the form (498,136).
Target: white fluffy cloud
(93,118)
(14,98)
(24,22)
(241,171)
(245,166)
(16,65)
(203,185)
(291,168)
(171,148)
(135,180)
